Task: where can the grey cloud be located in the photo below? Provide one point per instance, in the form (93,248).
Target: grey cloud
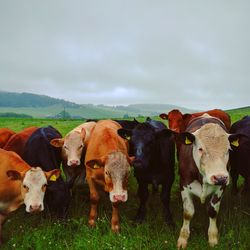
(193,54)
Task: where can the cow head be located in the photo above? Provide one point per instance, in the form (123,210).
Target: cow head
(33,186)
(211,145)
(175,120)
(116,171)
(72,146)
(142,140)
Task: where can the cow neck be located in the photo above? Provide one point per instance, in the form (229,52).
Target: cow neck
(198,122)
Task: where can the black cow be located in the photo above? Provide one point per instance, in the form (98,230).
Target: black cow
(39,152)
(152,145)
(240,154)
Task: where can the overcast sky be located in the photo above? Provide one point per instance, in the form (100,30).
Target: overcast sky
(194,54)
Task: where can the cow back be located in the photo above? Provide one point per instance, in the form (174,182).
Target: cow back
(17,141)
(5,135)
(105,140)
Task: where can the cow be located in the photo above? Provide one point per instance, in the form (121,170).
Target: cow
(20,183)
(107,168)
(152,145)
(5,134)
(239,155)
(124,123)
(39,152)
(203,163)
(127,123)
(17,141)
(178,121)
(73,147)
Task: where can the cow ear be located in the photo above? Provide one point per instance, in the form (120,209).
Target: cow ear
(97,163)
(125,133)
(164,116)
(52,175)
(15,175)
(58,142)
(186,138)
(234,139)
(130,159)
(83,134)
(165,133)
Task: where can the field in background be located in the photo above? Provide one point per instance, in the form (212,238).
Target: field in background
(24,231)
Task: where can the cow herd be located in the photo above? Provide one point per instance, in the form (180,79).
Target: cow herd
(209,151)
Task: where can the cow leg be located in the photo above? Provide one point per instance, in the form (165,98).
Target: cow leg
(213,209)
(115,224)
(94,198)
(188,212)
(143,196)
(2,220)
(165,198)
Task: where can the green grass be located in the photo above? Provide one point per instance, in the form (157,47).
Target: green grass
(25,231)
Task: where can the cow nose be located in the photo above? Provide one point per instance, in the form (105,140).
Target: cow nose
(119,197)
(219,179)
(35,208)
(137,164)
(74,163)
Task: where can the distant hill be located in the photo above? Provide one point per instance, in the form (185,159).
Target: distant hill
(45,106)
(10,99)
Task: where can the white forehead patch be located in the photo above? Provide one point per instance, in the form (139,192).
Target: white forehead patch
(35,176)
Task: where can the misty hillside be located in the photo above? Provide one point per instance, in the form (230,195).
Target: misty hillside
(10,99)
(45,106)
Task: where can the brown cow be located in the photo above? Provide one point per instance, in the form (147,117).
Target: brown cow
(74,146)
(178,121)
(20,183)
(107,167)
(5,134)
(203,162)
(17,141)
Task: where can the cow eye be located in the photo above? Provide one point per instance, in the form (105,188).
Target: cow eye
(107,173)
(200,150)
(25,187)
(65,147)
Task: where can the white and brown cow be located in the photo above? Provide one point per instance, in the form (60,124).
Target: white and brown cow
(73,150)
(20,183)
(107,168)
(203,162)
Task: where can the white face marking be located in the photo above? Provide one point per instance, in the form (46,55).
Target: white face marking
(33,190)
(72,147)
(118,168)
(211,152)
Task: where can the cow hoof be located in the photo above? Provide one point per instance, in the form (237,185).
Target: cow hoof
(92,223)
(115,228)
(213,242)
(182,243)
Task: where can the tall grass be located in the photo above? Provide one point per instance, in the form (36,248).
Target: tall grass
(25,231)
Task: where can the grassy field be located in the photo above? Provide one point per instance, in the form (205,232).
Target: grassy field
(25,231)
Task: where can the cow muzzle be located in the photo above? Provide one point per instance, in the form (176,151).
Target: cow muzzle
(220,179)
(137,164)
(118,197)
(73,163)
(35,208)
